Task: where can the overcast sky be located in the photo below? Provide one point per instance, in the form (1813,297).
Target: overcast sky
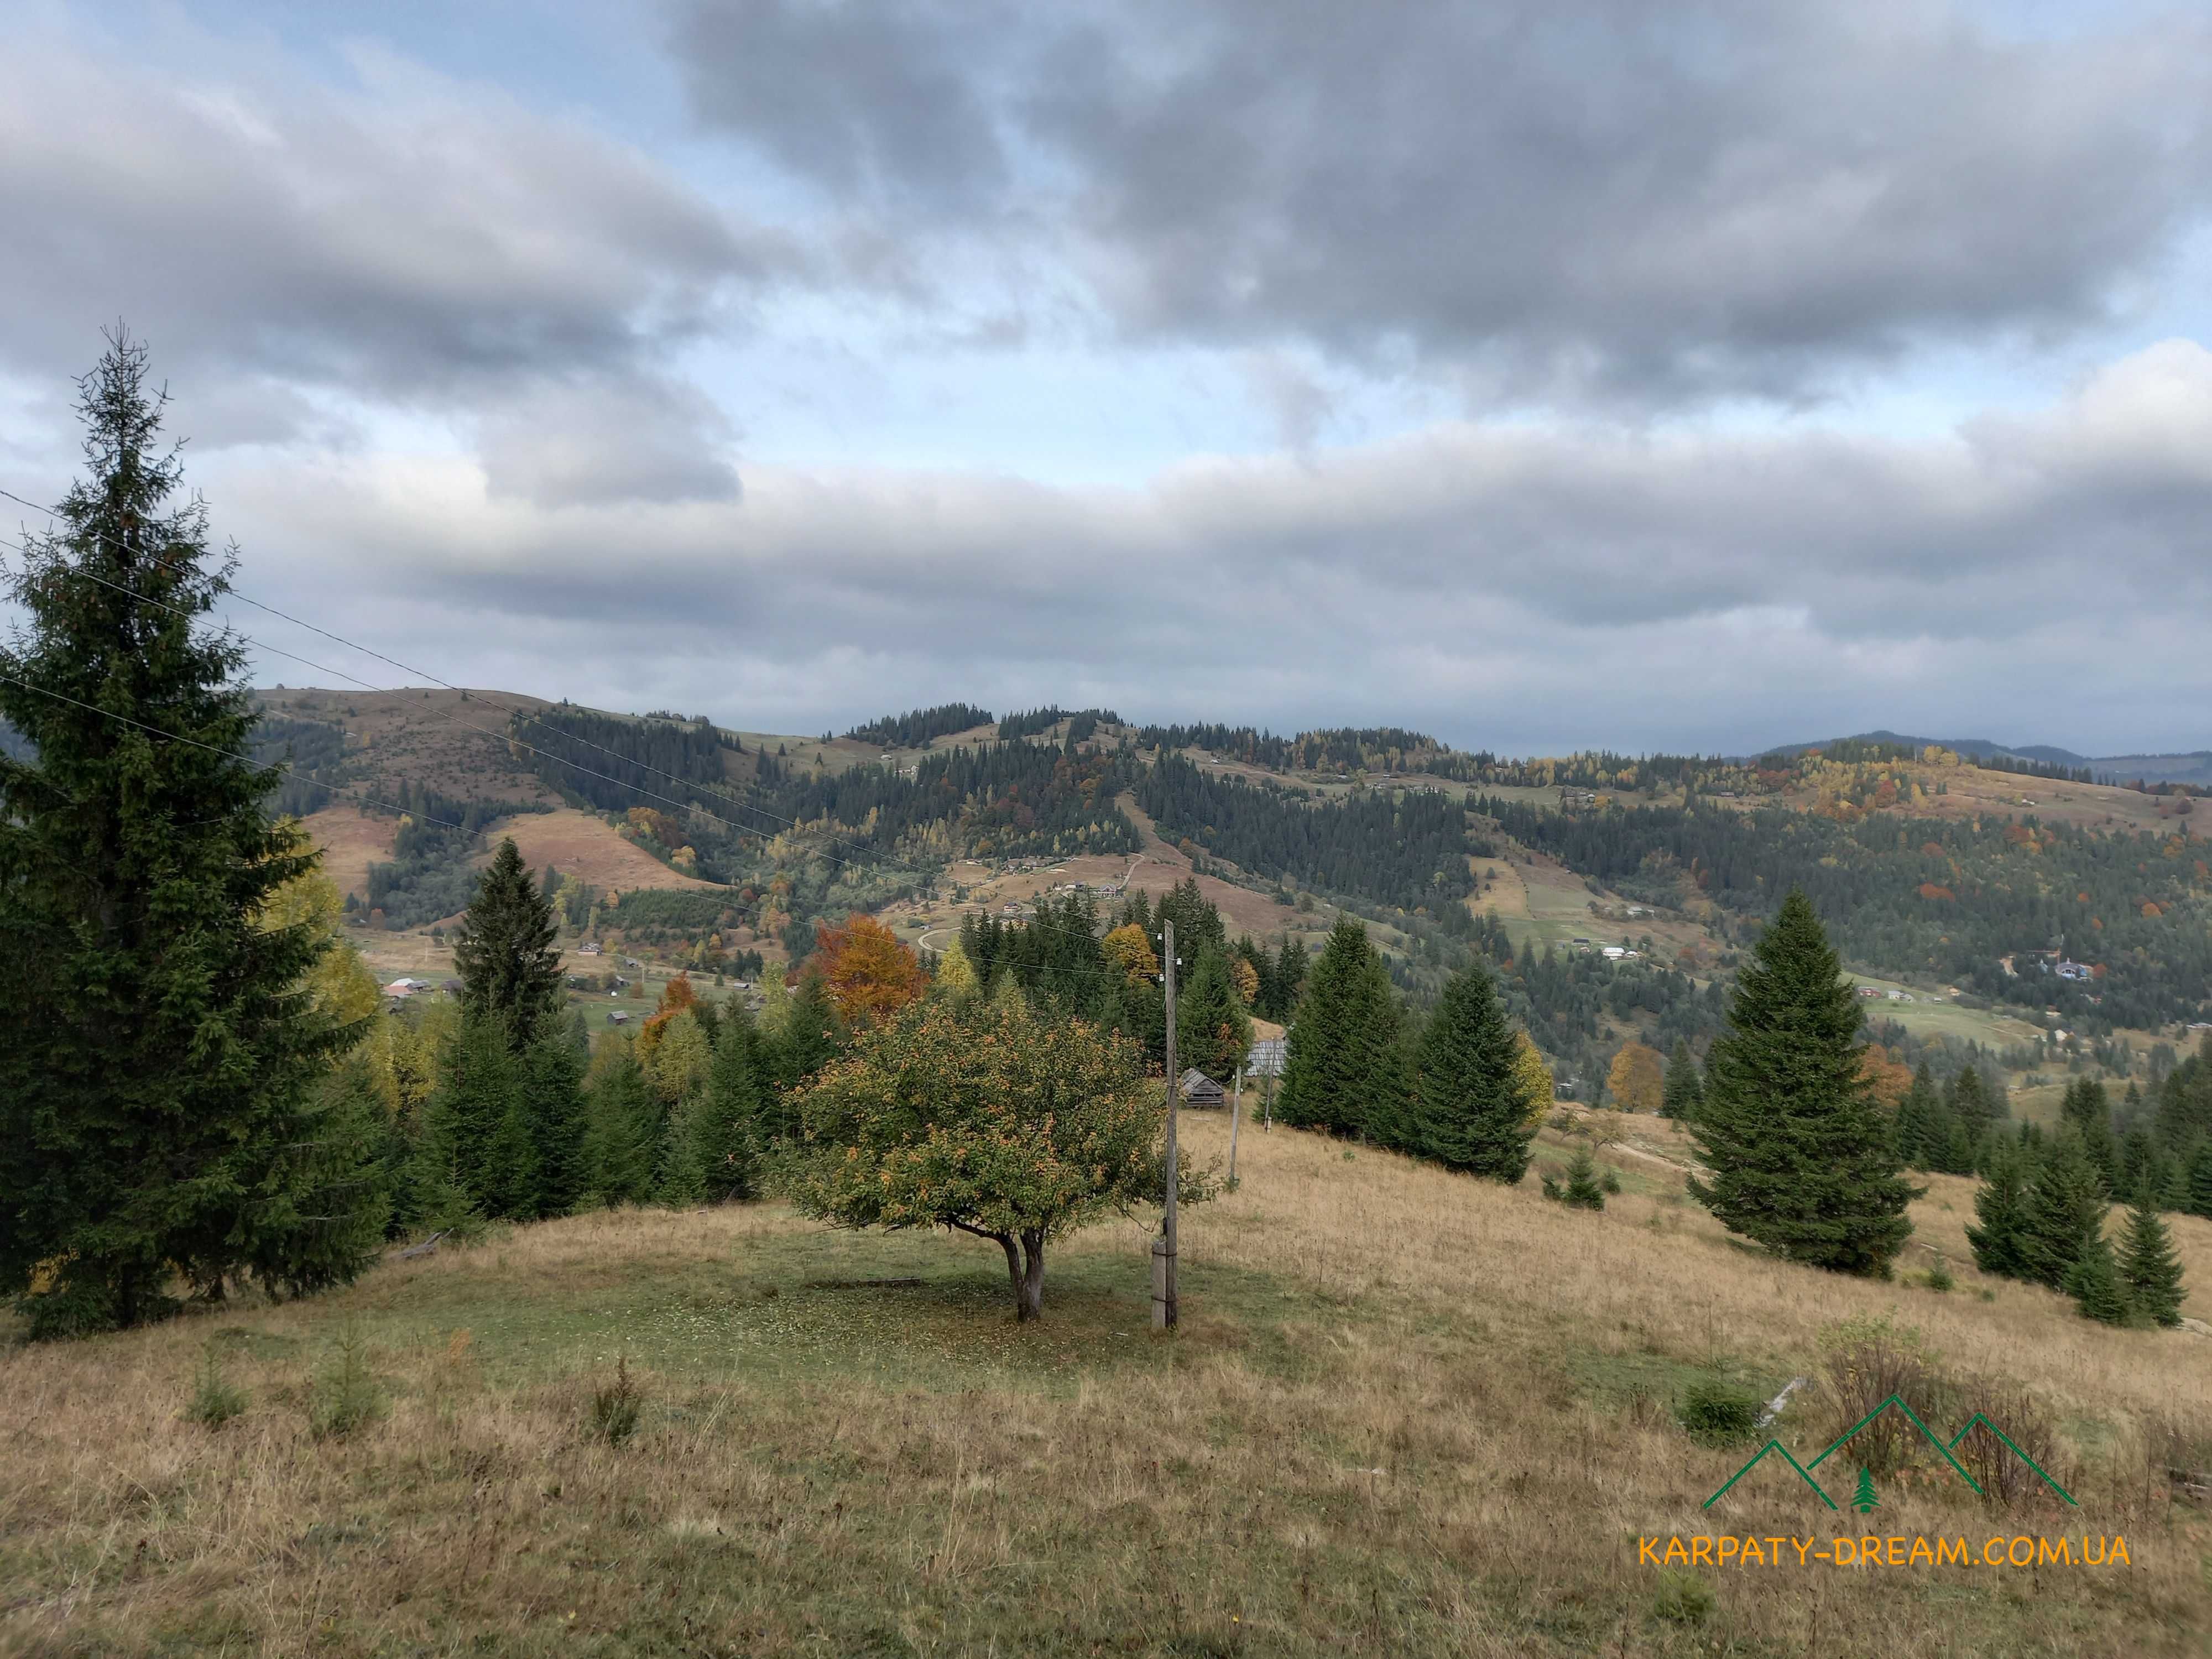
(1543,376)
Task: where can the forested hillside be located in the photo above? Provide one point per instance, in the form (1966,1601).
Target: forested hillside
(1405,848)
(613,762)
(1947,898)
(922,727)
(1929,869)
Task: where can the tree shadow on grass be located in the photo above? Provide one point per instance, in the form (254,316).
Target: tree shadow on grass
(789,1308)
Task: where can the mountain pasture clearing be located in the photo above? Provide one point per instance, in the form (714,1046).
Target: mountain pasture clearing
(1408,1414)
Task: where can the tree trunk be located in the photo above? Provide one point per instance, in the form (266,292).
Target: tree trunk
(1014,1272)
(1029,1287)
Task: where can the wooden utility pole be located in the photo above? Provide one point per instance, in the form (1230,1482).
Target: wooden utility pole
(1235,1112)
(1164,1250)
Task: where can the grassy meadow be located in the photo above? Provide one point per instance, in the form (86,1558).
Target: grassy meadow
(1408,1414)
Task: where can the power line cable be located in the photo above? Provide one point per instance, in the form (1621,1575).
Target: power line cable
(507,709)
(620,783)
(520,714)
(214,749)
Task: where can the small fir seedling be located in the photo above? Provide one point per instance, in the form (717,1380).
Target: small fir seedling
(615,1407)
(216,1399)
(344,1395)
(1939,1277)
(1609,1182)
(1582,1191)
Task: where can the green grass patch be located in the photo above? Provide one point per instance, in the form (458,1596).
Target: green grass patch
(789,1308)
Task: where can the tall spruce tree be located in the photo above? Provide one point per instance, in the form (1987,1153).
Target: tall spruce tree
(559,1125)
(1470,1112)
(507,950)
(2088,1108)
(472,1121)
(1212,1031)
(1800,1159)
(1682,1091)
(2066,1206)
(331,1194)
(161,1053)
(727,1125)
(1291,964)
(2196,1193)
(624,1136)
(813,1034)
(1966,1097)
(1342,1074)
(1921,1123)
(2148,1267)
(2000,1243)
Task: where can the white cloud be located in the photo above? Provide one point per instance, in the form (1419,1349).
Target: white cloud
(1510,586)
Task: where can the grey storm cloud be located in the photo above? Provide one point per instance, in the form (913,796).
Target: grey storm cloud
(1617,199)
(1584,584)
(410,241)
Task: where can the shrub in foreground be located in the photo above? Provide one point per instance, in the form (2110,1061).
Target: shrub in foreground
(1717,1413)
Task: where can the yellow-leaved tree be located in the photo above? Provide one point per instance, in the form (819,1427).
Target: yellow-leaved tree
(340,982)
(1245,978)
(1638,1079)
(1128,949)
(956,974)
(677,1065)
(1537,1085)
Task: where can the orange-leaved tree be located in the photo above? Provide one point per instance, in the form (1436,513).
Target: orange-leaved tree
(1891,1080)
(677,997)
(869,974)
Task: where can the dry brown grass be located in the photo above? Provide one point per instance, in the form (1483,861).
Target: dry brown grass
(585,846)
(351,840)
(1403,1417)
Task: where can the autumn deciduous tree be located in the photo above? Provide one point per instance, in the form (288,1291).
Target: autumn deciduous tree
(1128,950)
(1245,979)
(1638,1079)
(955,973)
(1538,1087)
(867,972)
(678,996)
(986,1118)
(1888,1080)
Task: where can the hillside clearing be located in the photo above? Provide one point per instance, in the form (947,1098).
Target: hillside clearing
(1408,1414)
(351,840)
(586,846)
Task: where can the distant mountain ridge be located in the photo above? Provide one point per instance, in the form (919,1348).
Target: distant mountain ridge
(2193,766)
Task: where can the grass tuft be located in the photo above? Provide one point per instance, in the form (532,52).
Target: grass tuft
(615,1407)
(1682,1597)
